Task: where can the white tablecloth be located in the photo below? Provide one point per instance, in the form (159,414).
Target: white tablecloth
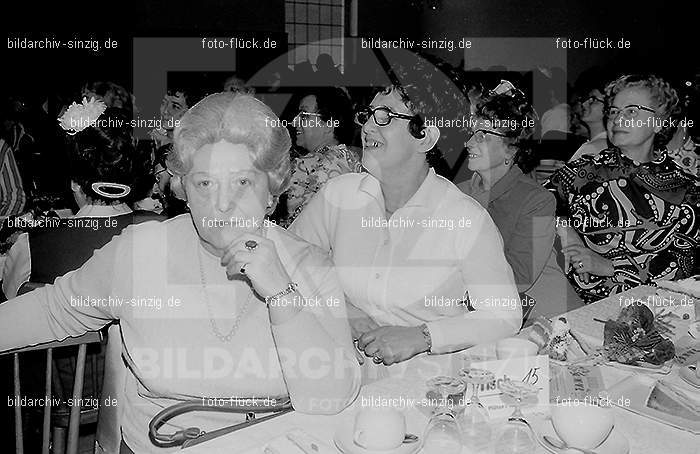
(407,380)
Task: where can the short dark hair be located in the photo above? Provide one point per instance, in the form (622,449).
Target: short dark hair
(333,104)
(429,89)
(104,153)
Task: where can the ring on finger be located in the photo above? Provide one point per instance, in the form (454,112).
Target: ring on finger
(377,359)
(580,265)
(251,245)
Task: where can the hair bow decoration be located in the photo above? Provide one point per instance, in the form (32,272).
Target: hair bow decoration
(506,88)
(80,116)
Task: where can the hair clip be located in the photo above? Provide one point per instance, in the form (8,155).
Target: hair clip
(80,116)
(506,88)
(99,185)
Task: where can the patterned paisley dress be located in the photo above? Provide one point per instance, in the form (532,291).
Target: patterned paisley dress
(311,171)
(644,217)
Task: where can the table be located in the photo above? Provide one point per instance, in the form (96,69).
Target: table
(406,380)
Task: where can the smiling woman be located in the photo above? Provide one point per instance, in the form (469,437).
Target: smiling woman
(235,284)
(647,207)
(394,270)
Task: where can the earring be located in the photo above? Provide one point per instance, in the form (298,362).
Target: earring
(506,161)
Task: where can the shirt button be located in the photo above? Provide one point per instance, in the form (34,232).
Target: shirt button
(377,276)
(386,241)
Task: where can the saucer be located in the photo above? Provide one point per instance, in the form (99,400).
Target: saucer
(687,374)
(616,443)
(344,442)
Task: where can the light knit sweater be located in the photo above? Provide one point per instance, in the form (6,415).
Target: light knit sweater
(150,279)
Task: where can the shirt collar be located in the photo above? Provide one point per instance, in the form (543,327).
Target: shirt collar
(102,211)
(600,135)
(505,184)
(429,193)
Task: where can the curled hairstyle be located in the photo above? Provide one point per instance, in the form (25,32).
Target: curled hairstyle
(104,153)
(429,90)
(662,94)
(513,115)
(237,118)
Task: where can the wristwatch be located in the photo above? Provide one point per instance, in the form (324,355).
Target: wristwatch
(291,288)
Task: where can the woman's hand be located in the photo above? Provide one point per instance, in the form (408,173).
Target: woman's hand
(393,344)
(260,263)
(586,262)
(359,321)
(361,325)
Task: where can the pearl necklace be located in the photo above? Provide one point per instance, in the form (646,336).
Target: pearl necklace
(214,328)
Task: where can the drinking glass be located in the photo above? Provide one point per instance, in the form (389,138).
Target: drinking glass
(517,436)
(447,389)
(476,430)
(442,435)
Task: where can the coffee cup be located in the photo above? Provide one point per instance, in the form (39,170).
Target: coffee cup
(379,428)
(584,426)
(515,347)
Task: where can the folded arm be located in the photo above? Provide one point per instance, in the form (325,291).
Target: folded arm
(315,347)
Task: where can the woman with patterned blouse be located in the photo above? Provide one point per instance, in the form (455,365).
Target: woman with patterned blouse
(323,125)
(636,211)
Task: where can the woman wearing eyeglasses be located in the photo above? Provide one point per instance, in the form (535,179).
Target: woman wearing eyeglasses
(636,213)
(499,155)
(592,115)
(420,262)
(323,127)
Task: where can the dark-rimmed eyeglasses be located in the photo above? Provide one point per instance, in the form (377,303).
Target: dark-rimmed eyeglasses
(480,135)
(382,116)
(629,111)
(303,115)
(593,98)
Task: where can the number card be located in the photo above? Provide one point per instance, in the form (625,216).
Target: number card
(533,370)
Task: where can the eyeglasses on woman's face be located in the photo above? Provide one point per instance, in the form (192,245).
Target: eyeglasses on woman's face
(479,135)
(382,116)
(592,100)
(629,111)
(303,115)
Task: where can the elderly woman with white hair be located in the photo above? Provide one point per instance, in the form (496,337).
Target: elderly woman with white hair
(216,303)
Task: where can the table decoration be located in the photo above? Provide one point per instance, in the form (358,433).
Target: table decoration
(532,370)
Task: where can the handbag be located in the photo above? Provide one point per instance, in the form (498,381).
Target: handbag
(270,407)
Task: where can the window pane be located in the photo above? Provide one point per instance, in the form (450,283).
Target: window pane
(336,14)
(290,32)
(300,36)
(313,14)
(288,12)
(325,14)
(300,13)
(325,32)
(313,33)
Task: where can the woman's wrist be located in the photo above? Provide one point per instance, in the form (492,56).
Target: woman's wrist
(284,308)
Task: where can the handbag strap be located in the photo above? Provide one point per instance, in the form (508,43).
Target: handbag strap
(250,408)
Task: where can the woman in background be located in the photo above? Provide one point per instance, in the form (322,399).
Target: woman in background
(634,211)
(500,154)
(324,128)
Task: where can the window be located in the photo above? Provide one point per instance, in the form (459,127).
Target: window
(315,27)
